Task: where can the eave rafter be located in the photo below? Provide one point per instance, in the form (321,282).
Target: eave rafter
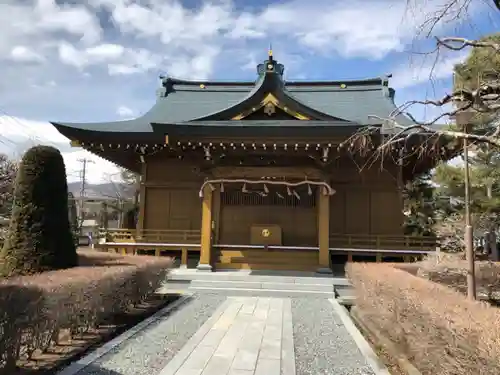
(412,157)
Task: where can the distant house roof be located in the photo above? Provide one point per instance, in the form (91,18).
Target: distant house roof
(355,102)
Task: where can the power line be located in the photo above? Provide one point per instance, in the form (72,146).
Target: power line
(29,132)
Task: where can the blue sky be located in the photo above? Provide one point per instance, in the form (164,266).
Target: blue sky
(100,59)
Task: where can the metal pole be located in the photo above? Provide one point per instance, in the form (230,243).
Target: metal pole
(469,244)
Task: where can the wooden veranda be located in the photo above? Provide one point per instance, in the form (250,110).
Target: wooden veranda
(183,242)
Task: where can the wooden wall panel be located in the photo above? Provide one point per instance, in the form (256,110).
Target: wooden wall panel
(366,202)
(162,169)
(386,214)
(338,211)
(357,218)
(157,208)
(172,209)
(172,200)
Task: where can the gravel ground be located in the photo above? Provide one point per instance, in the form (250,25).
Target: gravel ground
(151,349)
(322,344)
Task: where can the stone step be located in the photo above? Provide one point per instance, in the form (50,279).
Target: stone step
(346,301)
(265,292)
(262,259)
(274,276)
(266,266)
(269,254)
(275,285)
(345,295)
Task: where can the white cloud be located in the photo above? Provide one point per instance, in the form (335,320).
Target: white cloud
(119,60)
(124,111)
(97,171)
(25,54)
(121,69)
(76,20)
(101,53)
(76,60)
(18,130)
(17,135)
(30,23)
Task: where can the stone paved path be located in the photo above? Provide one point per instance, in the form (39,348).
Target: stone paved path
(211,334)
(246,336)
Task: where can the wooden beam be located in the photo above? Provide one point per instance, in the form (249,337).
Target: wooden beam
(258,172)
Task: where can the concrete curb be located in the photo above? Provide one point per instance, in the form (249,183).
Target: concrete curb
(401,359)
(366,350)
(77,366)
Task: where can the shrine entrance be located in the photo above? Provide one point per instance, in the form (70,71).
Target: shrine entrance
(271,216)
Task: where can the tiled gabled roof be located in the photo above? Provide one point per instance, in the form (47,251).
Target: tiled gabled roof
(178,101)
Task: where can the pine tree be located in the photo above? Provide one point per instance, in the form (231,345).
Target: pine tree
(419,206)
(39,237)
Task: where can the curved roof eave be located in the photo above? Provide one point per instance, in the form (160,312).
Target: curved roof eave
(80,132)
(141,124)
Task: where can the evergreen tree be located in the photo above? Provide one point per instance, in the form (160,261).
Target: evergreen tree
(73,218)
(40,237)
(419,206)
(8,170)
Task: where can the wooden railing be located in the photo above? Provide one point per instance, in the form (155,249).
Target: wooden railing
(383,242)
(176,236)
(382,246)
(130,241)
(127,241)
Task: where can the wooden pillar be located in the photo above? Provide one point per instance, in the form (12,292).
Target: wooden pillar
(184,257)
(206,231)
(216,210)
(324,232)
(142,200)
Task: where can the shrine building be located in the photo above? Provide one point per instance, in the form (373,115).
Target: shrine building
(268,174)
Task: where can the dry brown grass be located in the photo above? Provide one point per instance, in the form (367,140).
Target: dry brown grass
(451,270)
(436,327)
(34,309)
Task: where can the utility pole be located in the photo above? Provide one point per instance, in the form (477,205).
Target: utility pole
(83,176)
(121,207)
(469,237)
(463,119)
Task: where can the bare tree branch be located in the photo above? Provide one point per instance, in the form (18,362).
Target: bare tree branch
(458,44)
(485,99)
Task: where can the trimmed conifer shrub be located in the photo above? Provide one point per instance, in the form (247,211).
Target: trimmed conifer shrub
(73,218)
(40,237)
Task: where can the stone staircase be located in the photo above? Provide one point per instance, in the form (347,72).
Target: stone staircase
(291,260)
(245,282)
